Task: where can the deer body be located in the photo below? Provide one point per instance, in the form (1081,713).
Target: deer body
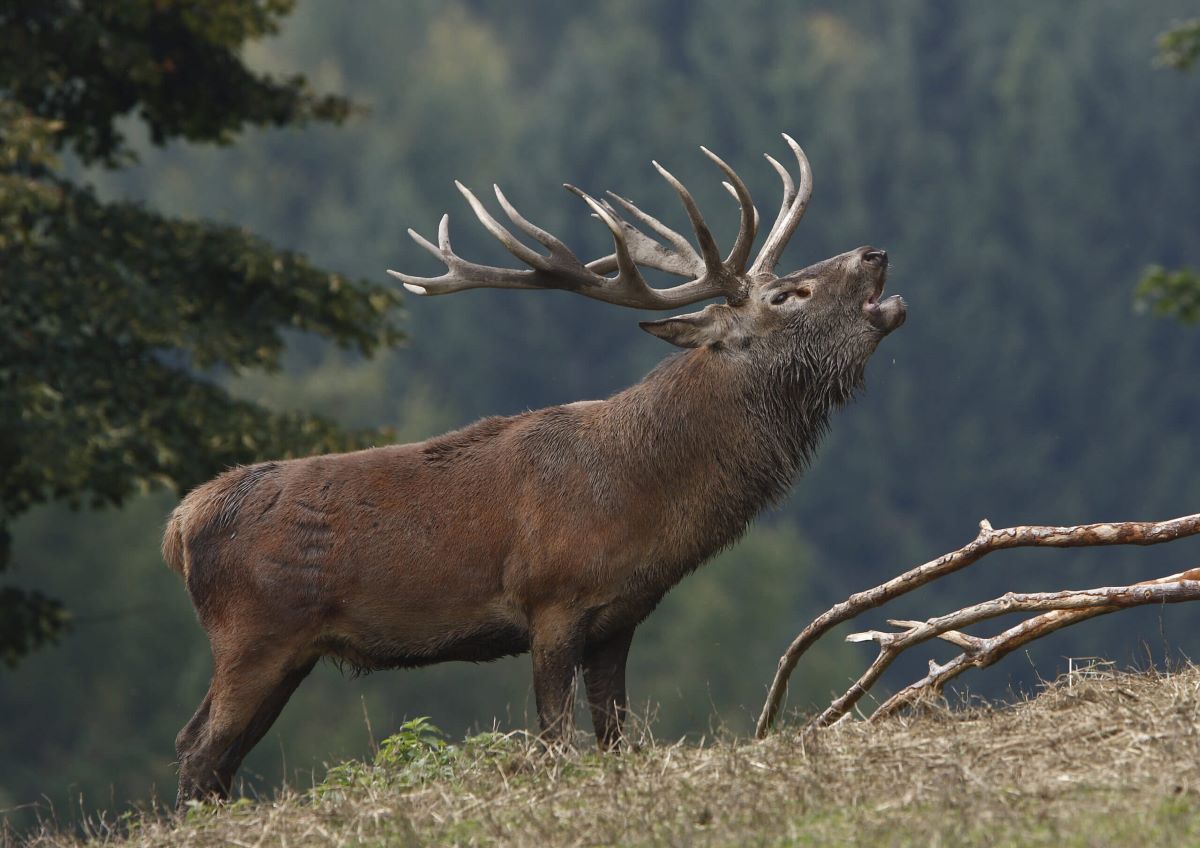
(555,531)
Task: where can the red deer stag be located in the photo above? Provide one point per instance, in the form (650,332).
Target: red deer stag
(555,531)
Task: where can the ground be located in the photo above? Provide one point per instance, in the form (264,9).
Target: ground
(1094,759)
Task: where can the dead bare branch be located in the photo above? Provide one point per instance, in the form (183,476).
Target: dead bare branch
(1176,588)
(982,652)
(988,540)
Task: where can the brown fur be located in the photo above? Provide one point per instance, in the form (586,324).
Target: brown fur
(555,532)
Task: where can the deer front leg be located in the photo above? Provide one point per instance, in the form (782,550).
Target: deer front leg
(604,674)
(557,648)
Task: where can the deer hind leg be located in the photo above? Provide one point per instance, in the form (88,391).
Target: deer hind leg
(191,732)
(604,674)
(263,718)
(245,697)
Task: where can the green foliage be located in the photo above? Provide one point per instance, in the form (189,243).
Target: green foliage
(416,754)
(113,314)
(112,310)
(417,741)
(115,320)
(1173,293)
(28,620)
(177,66)
(1179,47)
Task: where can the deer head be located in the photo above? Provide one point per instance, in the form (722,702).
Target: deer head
(837,300)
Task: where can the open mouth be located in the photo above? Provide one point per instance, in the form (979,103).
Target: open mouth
(873,300)
(887,314)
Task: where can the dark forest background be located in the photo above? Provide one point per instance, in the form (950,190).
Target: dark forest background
(1023,163)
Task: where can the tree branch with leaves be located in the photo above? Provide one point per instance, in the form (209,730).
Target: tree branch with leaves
(1174,293)
(116,322)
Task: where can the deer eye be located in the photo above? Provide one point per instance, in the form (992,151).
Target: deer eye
(802,292)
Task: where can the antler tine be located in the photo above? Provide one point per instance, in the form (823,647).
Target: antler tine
(647,252)
(461,274)
(789,188)
(685,260)
(736,262)
(556,247)
(733,193)
(790,212)
(627,271)
(687,253)
(708,245)
(629,287)
(516,248)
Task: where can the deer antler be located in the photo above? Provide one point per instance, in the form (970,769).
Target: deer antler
(790,211)
(562,269)
(683,260)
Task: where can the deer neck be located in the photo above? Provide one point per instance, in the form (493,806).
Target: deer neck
(724,433)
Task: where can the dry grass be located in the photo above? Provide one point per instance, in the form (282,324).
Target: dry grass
(1095,759)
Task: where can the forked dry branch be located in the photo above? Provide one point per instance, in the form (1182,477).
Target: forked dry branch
(1064,608)
(1067,607)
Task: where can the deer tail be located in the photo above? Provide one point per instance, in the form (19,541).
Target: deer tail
(172,543)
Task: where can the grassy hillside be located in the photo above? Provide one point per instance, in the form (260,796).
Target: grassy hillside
(1092,760)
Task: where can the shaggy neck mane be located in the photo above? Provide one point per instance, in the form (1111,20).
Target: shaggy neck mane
(706,427)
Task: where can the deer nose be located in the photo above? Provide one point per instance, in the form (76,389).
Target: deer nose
(876,257)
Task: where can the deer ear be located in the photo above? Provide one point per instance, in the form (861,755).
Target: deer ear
(696,329)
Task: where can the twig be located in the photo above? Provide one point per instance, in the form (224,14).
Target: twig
(954,637)
(1174,589)
(988,540)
